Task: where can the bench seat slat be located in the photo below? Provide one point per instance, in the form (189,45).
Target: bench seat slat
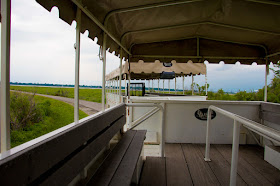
(106,171)
(124,173)
(77,163)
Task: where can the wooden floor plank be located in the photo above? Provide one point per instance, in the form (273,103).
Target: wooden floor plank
(268,171)
(248,173)
(220,166)
(177,172)
(154,172)
(200,171)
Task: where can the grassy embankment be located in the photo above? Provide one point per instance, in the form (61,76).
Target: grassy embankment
(59,115)
(93,95)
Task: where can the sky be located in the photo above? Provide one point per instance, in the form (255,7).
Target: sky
(42,51)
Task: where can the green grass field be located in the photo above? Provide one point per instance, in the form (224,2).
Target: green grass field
(61,114)
(93,95)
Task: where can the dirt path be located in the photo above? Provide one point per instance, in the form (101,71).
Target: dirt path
(87,106)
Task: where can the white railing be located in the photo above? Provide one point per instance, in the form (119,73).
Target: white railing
(258,128)
(149,114)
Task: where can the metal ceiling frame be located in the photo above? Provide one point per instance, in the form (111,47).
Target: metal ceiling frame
(198,44)
(198,57)
(195,24)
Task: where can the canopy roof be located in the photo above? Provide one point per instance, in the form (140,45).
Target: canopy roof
(152,70)
(215,30)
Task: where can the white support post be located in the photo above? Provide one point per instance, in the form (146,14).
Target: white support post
(158,85)
(104,69)
(125,86)
(129,86)
(183,85)
(207,149)
(163,85)
(5,74)
(234,156)
(77,67)
(265,86)
(192,86)
(206,88)
(175,86)
(152,84)
(169,85)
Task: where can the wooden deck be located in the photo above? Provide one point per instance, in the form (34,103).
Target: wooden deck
(184,165)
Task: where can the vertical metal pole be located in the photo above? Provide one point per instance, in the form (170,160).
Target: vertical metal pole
(158,85)
(5,74)
(129,86)
(192,85)
(265,86)
(183,85)
(163,85)
(175,86)
(125,85)
(234,156)
(169,85)
(163,131)
(206,88)
(207,148)
(77,67)
(104,69)
(152,84)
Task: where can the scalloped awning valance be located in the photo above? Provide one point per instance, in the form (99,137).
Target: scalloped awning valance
(152,70)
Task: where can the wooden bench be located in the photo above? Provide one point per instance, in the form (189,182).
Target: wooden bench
(122,165)
(58,157)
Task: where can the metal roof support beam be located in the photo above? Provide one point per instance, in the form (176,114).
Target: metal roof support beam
(265,2)
(5,74)
(198,57)
(98,23)
(274,54)
(145,7)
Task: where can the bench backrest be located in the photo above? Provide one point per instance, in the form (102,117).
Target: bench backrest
(270,112)
(61,157)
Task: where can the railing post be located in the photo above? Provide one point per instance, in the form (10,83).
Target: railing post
(207,148)
(234,156)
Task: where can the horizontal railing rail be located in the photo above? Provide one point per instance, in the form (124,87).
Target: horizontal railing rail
(258,128)
(149,114)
